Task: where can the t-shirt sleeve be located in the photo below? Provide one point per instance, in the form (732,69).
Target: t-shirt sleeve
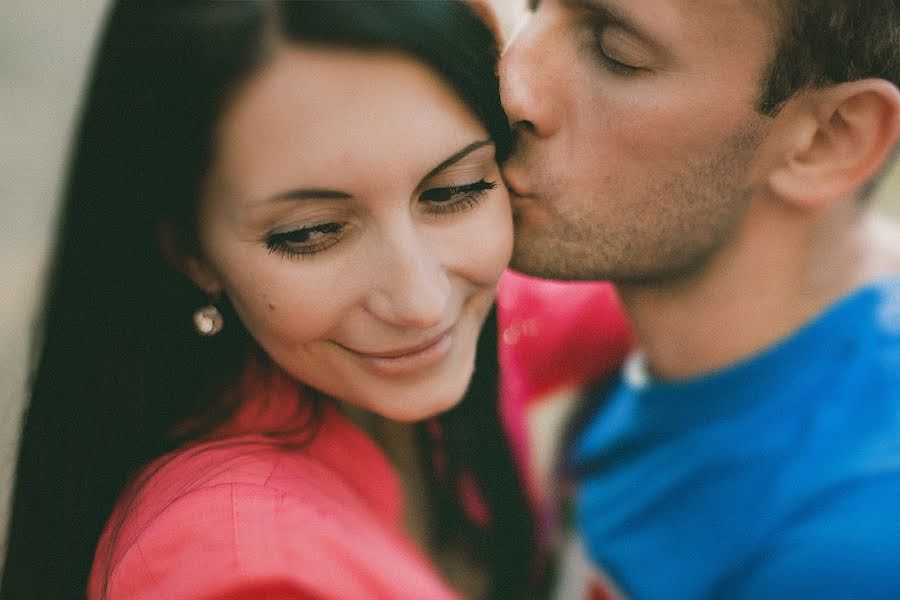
(241,541)
(848,548)
(555,334)
(555,338)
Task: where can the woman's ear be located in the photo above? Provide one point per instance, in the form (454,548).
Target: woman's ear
(838,141)
(186,259)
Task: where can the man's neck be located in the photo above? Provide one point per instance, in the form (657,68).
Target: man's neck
(758,290)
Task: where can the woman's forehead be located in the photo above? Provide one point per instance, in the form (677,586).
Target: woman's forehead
(319,112)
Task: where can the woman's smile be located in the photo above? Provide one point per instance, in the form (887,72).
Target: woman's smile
(409,360)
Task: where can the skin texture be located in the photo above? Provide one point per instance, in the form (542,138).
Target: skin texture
(391,259)
(642,158)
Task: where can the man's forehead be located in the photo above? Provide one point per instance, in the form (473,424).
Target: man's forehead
(670,22)
(759,8)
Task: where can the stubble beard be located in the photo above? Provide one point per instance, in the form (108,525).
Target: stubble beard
(669,231)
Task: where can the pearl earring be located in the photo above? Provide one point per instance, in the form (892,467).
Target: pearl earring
(208,320)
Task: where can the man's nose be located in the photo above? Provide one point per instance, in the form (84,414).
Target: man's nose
(526,72)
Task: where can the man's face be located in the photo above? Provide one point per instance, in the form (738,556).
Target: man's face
(637,133)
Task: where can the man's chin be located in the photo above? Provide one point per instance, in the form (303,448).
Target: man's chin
(541,248)
(548,257)
(532,257)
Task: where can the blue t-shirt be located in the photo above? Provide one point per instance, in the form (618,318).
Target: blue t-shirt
(778,477)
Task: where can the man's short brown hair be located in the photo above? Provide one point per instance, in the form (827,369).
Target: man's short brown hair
(831,41)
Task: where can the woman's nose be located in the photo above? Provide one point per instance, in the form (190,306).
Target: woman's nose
(412,285)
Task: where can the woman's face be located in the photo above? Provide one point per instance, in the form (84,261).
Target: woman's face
(355,218)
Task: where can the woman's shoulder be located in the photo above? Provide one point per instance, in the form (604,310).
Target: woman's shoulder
(209,468)
(218,518)
(231,539)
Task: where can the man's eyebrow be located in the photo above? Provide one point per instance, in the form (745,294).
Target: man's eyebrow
(458,156)
(615,15)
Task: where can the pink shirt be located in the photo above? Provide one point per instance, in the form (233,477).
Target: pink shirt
(555,337)
(238,517)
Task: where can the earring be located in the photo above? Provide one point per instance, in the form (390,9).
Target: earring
(208,320)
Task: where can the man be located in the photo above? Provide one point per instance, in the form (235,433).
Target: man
(714,159)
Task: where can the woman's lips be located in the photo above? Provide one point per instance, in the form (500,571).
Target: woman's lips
(407,361)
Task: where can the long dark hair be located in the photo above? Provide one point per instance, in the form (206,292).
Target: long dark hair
(118,365)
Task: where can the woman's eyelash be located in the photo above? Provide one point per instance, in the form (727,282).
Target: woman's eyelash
(304,240)
(457,198)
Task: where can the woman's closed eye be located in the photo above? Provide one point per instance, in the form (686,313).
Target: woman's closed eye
(453,199)
(305,240)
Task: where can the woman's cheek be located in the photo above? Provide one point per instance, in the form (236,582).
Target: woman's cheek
(490,245)
(281,325)
(275,302)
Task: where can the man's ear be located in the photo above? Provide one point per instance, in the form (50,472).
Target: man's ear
(187,260)
(840,139)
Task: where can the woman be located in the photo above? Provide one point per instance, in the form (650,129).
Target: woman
(317,183)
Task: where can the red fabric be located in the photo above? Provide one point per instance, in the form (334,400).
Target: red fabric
(556,333)
(237,517)
(552,335)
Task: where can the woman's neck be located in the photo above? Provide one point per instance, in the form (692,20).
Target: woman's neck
(398,441)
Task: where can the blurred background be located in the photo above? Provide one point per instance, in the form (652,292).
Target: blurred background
(45,48)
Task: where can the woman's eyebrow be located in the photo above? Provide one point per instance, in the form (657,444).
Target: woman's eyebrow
(324,194)
(458,156)
(310,194)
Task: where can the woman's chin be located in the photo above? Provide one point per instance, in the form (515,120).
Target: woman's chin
(419,409)
(434,409)
(419,402)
